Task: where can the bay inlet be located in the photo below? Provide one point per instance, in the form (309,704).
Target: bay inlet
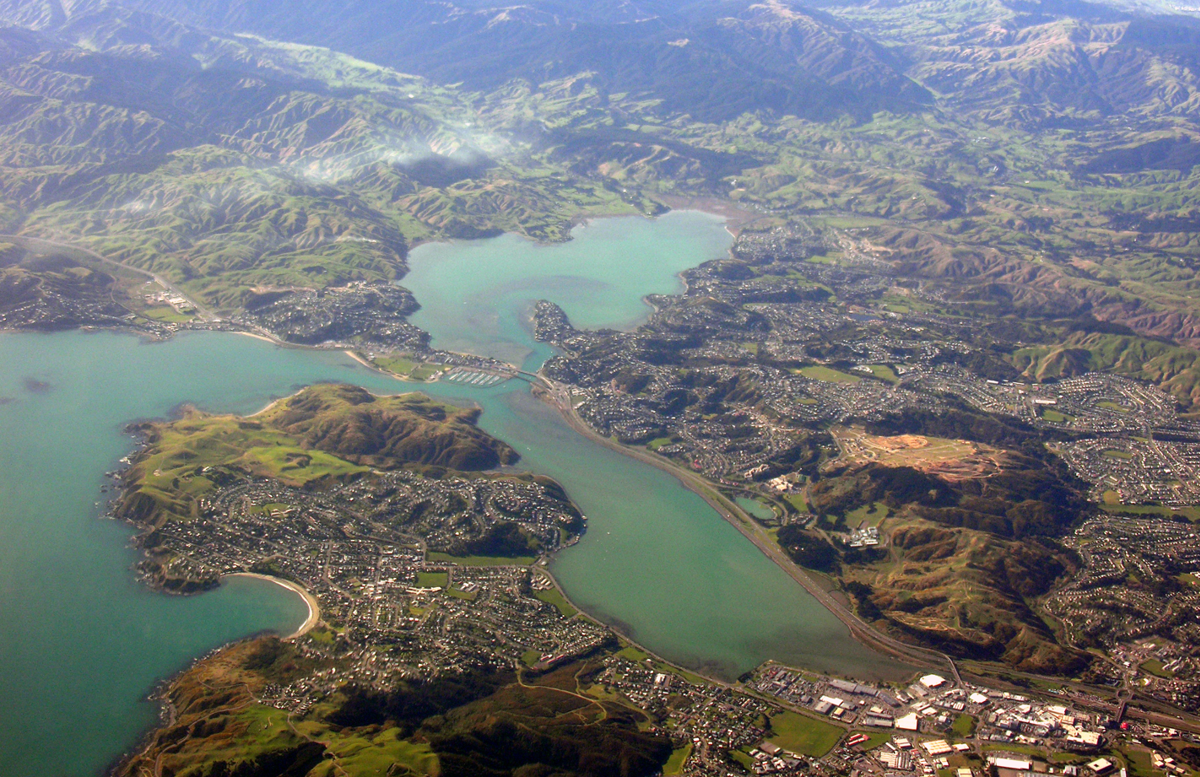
(83,642)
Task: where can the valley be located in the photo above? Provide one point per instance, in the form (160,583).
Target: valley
(933,346)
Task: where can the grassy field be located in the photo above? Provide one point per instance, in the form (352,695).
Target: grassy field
(964,726)
(804,735)
(426,371)
(874,739)
(631,653)
(677,760)
(827,374)
(797,501)
(743,758)
(1140,763)
(659,442)
(400,365)
(167,315)
(883,372)
(1055,417)
(867,515)
(432,579)
(1155,667)
(1190,513)
(410,368)
(555,597)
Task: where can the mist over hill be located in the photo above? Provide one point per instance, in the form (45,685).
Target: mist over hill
(713,60)
(241,145)
(956,342)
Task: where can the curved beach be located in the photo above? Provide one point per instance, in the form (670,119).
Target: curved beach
(314,609)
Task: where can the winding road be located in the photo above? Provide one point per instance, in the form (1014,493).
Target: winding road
(559,396)
(40,245)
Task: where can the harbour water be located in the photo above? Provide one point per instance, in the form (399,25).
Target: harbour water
(82,643)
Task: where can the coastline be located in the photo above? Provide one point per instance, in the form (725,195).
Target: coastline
(736,217)
(313,617)
(264,338)
(581,612)
(356,356)
(361,361)
(733,515)
(314,607)
(272,404)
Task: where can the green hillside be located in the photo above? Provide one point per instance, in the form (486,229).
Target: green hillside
(1035,163)
(323,433)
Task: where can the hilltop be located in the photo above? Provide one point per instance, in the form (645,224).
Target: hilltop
(387,432)
(1035,159)
(323,434)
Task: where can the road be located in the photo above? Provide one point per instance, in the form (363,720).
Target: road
(41,245)
(559,396)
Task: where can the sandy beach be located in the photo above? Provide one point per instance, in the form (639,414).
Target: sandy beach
(314,609)
(736,217)
(272,404)
(354,355)
(258,336)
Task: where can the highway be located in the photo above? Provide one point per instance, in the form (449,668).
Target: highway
(559,396)
(41,245)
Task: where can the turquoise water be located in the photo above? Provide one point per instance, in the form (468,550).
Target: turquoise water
(82,642)
(475,295)
(657,562)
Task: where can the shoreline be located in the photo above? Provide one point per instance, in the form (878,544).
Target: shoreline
(314,607)
(361,361)
(272,404)
(698,484)
(736,217)
(859,630)
(581,612)
(264,338)
(356,356)
(366,363)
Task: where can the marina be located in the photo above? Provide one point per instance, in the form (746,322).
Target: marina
(86,642)
(477,378)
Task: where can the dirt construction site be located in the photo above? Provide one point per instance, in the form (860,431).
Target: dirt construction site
(951,460)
